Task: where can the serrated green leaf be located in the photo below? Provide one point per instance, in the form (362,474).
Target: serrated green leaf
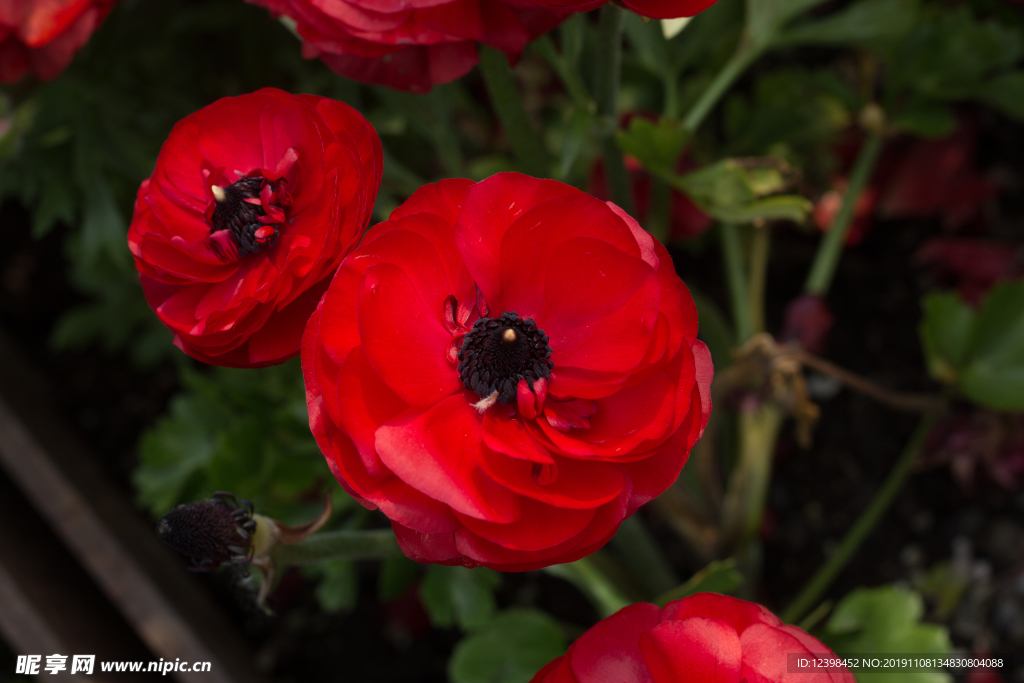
(884,620)
(926,119)
(657,146)
(861,22)
(510,649)
(396,575)
(719,576)
(1004,92)
(459,596)
(994,372)
(945,332)
(338,587)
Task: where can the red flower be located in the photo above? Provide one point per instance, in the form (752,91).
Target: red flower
(44,35)
(519,372)
(706,637)
(411,44)
(656,9)
(254,202)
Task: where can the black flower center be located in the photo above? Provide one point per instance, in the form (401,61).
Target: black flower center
(234,213)
(498,352)
(210,532)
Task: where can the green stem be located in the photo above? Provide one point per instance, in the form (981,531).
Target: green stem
(446,140)
(526,143)
(760,244)
(860,530)
(606,93)
(643,557)
(743,506)
(339,545)
(739,291)
(733,69)
(825,261)
(595,585)
(567,71)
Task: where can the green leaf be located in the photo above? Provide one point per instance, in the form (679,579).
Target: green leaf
(766,18)
(720,576)
(714,330)
(1005,92)
(945,332)
(510,649)
(396,575)
(883,620)
(736,192)
(246,431)
(338,589)
(862,22)
(457,595)
(925,118)
(657,146)
(994,373)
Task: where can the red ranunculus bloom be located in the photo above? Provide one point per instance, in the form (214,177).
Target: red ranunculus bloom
(507,369)
(656,9)
(705,638)
(42,36)
(411,44)
(254,202)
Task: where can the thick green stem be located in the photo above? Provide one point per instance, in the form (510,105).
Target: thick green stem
(760,244)
(588,578)
(743,506)
(567,71)
(733,69)
(606,93)
(739,292)
(526,143)
(643,557)
(860,530)
(831,248)
(339,545)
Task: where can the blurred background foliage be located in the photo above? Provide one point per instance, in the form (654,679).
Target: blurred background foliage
(73,152)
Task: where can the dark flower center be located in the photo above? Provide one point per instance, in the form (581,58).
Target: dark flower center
(498,352)
(210,532)
(239,210)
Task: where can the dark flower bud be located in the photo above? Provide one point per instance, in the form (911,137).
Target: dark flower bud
(211,532)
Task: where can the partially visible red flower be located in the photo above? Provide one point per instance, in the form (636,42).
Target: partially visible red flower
(411,44)
(828,205)
(913,179)
(42,36)
(705,638)
(686,220)
(519,372)
(655,9)
(808,321)
(973,265)
(253,203)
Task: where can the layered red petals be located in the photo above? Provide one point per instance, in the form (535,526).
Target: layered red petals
(655,9)
(253,203)
(42,36)
(411,45)
(705,638)
(460,379)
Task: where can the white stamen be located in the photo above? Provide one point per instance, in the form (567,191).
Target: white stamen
(483,404)
(218,193)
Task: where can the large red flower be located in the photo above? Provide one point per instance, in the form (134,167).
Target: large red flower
(705,638)
(656,9)
(253,203)
(507,369)
(411,44)
(43,36)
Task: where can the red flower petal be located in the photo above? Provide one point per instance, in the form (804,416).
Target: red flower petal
(694,650)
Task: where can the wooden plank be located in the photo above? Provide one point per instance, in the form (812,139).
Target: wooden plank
(172,615)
